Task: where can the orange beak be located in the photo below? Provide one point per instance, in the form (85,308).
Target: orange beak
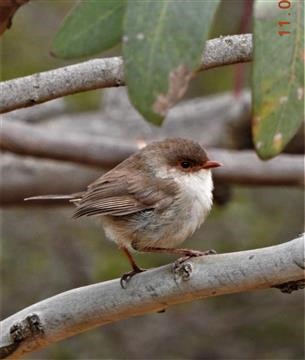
(209,164)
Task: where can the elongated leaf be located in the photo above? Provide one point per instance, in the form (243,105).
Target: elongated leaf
(278,74)
(163,41)
(92,26)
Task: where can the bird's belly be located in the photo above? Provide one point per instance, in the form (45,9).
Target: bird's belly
(168,228)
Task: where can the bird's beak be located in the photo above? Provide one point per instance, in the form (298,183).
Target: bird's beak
(209,164)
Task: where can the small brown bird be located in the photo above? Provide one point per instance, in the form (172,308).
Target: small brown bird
(153,200)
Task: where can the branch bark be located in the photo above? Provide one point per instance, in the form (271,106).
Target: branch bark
(108,72)
(23,177)
(84,308)
(240,167)
(214,119)
(90,150)
(26,176)
(41,112)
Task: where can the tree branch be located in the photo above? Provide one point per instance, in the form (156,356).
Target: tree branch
(89,150)
(245,168)
(240,167)
(214,119)
(41,112)
(23,177)
(108,72)
(84,308)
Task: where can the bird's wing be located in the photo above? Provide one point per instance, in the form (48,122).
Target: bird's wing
(118,193)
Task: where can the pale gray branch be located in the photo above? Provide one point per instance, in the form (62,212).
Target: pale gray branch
(34,89)
(245,168)
(240,167)
(226,50)
(84,308)
(90,150)
(214,120)
(23,177)
(108,72)
(40,112)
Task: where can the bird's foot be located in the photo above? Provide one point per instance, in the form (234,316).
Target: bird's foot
(192,253)
(182,269)
(127,276)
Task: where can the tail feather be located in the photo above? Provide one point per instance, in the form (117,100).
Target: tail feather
(71,197)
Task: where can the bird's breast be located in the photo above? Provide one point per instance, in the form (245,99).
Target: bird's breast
(196,199)
(173,224)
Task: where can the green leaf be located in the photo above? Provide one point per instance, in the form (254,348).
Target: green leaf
(92,26)
(162,45)
(278,75)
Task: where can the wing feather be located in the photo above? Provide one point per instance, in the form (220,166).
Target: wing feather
(118,193)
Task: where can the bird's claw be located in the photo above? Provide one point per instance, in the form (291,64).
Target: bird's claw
(127,277)
(210,252)
(193,253)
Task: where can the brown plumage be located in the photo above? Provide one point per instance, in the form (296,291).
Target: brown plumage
(153,200)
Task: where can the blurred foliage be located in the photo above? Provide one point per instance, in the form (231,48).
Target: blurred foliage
(161,53)
(35,25)
(227,22)
(91,27)
(45,252)
(25,48)
(162,50)
(278,74)
(153,34)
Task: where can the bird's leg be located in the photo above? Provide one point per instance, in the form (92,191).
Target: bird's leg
(135,269)
(188,253)
(185,253)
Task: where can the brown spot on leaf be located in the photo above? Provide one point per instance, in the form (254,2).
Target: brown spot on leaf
(179,79)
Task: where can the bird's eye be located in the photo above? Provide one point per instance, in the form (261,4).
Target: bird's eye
(186,164)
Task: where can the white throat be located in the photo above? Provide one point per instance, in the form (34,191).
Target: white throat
(199,186)
(197,193)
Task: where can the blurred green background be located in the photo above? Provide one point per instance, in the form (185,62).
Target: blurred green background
(45,252)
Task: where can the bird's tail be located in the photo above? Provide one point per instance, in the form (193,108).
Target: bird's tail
(71,197)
